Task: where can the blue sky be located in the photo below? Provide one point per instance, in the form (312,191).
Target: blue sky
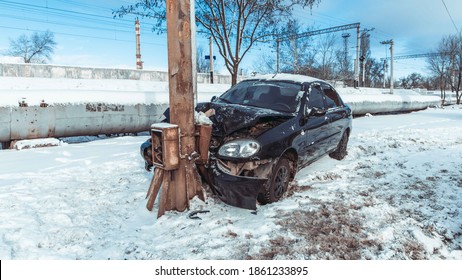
(87,34)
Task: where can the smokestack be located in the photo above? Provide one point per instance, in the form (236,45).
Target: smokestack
(139,63)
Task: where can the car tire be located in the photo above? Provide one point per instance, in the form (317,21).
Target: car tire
(341,150)
(277,183)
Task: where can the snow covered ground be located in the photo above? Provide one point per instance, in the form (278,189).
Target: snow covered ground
(397,195)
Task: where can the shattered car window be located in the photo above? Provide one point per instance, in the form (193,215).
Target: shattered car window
(275,95)
(316,98)
(332,98)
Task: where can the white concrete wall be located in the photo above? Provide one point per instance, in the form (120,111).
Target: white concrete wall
(74,72)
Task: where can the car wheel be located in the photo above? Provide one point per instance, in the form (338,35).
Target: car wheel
(277,183)
(341,150)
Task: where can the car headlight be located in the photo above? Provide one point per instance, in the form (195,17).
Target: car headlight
(241,148)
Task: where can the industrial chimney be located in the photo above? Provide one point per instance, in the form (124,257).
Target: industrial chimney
(139,63)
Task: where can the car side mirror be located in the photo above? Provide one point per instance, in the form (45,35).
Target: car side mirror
(315,111)
(214,98)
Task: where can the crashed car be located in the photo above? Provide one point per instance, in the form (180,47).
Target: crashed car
(264,130)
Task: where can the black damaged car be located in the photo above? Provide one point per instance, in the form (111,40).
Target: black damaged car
(267,128)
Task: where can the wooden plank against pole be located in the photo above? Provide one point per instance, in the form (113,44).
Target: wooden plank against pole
(199,191)
(154,187)
(151,185)
(189,183)
(164,197)
(170,202)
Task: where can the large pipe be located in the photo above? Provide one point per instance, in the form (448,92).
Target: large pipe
(94,118)
(32,122)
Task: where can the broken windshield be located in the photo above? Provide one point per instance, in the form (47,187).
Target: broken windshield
(276,95)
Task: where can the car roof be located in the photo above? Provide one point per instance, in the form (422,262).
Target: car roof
(286,77)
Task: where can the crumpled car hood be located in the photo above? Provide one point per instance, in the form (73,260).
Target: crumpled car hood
(229,118)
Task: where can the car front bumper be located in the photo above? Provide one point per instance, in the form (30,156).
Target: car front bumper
(234,190)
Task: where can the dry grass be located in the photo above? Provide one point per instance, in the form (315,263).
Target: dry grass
(294,188)
(414,250)
(331,232)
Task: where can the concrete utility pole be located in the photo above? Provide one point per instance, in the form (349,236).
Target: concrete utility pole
(211,59)
(358,44)
(384,72)
(278,42)
(345,37)
(391,43)
(294,43)
(139,63)
(363,63)
(391,67)
(363,56)
(459,75)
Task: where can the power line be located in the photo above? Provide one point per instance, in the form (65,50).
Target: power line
(409,56)
(449,14)
(42,8)
(66,13)
(331,19)
(60,23)
(86,6)
(79,35)
(318,32)
(40,14)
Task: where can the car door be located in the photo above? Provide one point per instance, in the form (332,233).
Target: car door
(316,127)
(335,114)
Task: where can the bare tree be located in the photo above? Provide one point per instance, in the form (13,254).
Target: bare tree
(296,55)
(414,80)
(447,65)
(431,82)
(326,56)
(374,73)
(403,82)
(438,65)
(343,60)
(454,73)
(34,49)
(365,60)
(235,25)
